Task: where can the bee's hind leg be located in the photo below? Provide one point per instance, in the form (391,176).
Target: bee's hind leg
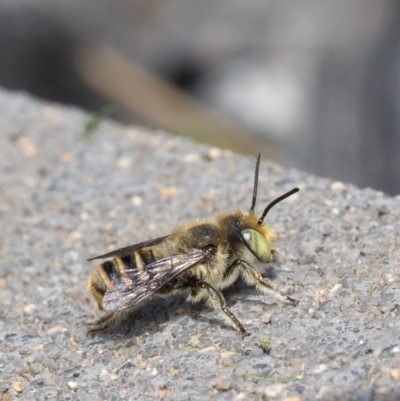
(106,323)
(216,300)
(264,285)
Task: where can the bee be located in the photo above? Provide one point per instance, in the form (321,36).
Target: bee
(199,259)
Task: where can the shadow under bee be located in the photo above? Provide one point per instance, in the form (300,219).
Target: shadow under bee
(154,315)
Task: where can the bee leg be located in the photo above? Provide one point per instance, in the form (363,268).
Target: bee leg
(105,323)
(253,277)
(217,301)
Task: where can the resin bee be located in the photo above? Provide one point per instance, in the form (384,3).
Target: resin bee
(199,258)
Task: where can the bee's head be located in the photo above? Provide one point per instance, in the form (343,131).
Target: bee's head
(253,232)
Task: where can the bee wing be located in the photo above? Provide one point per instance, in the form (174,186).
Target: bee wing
(130,249)
(134,287)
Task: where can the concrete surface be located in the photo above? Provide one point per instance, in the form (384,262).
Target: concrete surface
(65,198)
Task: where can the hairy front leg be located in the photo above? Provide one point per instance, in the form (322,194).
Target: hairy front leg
(264,285)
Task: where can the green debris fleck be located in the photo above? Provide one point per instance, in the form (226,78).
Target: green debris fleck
(265,344)
(193,343)
(97,118)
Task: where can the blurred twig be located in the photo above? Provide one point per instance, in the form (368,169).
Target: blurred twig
(97,118)
(163,104)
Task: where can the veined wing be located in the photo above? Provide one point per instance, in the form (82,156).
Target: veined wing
(130,249)
(133,286)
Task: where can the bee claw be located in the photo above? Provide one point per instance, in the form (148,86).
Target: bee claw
(89,334)
(293,301)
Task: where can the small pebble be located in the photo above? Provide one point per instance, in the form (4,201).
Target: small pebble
(17,387)
(338,186)
(72,385)
(223,384)
(395,373)
(137,201)
(29,308)
(123,163)
(335,211)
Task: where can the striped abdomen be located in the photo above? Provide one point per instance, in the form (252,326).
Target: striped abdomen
(111,272)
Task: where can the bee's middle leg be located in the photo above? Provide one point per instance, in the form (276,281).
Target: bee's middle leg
(217,301)
(253,277)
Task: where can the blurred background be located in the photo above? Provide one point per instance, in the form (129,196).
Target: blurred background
(310,84)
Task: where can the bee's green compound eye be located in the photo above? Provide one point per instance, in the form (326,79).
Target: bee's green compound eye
(257,244)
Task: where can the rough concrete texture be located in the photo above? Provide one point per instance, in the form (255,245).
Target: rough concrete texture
(65,198)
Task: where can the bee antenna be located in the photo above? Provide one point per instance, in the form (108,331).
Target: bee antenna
(253,202)
(274,202)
